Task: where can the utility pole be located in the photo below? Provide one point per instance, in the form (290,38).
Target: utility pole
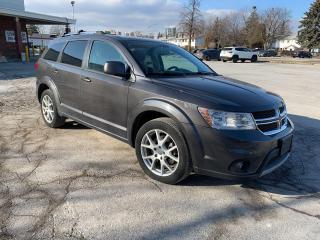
(72,4)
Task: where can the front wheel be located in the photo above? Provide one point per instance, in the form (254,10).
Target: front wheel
(162,151)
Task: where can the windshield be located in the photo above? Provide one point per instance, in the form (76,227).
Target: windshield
(161,59)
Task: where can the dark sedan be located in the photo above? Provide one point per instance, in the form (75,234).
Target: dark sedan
(302,54)
(208,54)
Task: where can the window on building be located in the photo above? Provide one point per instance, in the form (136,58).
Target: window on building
(102,52)
(54,51)
(73,53)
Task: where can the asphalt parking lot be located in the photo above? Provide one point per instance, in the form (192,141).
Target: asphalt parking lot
(76,183)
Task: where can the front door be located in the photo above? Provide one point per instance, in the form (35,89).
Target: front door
(104,97)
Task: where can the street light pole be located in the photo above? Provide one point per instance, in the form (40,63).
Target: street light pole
(72,4)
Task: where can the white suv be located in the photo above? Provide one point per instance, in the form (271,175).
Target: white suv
(238,53)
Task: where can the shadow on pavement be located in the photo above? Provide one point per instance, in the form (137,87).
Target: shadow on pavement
(73,125)
(16,70)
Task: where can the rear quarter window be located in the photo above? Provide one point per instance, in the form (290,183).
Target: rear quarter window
(54,51)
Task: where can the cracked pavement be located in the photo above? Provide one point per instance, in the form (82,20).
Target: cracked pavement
(76,183)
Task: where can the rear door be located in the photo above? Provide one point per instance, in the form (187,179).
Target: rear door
(104,97)
(51,57)
(68,73)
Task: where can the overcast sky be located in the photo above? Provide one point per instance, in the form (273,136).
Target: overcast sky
(147,15)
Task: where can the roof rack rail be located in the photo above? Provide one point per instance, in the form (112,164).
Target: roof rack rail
(77,33)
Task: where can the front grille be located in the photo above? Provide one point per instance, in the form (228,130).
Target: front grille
(264,114)
(268,127)
(271,121)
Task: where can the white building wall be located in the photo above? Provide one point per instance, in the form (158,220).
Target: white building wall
(12,4)
(287,44)
(181,42)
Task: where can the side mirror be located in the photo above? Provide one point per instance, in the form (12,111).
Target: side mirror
(117,69)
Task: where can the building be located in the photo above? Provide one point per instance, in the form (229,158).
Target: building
(171,32)
(13,30)
(41,40)
(183,41)
(287,44)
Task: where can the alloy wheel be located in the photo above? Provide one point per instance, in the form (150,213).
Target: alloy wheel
(47,109)
(159,152)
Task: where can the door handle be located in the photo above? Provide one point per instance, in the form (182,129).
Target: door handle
(86,79)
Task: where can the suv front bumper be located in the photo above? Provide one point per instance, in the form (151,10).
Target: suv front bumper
(240,154)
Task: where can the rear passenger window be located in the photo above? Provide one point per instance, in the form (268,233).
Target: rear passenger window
(102,52)
(73,53)
(54,51)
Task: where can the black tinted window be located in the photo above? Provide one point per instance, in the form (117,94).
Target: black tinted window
(102,52)
(73,53)
(54,51)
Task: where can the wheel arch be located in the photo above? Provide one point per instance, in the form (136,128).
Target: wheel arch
(47,83)
(162,108)
(151,109)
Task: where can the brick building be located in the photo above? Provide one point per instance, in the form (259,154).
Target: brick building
(13,30)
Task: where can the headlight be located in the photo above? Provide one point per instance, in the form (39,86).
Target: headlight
(227,120)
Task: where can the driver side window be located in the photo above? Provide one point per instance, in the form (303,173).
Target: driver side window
(102,52)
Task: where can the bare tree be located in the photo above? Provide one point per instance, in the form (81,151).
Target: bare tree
(217,33)
(191,20)
(236,24)
(277,24)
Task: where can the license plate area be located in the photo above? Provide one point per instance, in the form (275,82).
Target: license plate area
(285,144)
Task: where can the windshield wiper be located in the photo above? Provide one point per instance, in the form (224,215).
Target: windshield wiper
(203,73)
(167,74)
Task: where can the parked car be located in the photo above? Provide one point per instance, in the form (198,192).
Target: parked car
(238,53)
(209,54)
(179,114)
(302,54)
(268,53)
(258,51)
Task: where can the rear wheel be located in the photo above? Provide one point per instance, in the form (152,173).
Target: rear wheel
(162,151)
(49,110)
(207,58)
(235,59)
(254,58)
(224,60)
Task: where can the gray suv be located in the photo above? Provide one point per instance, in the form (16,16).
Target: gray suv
(179,115)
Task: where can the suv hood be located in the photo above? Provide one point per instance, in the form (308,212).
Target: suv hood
(222,91)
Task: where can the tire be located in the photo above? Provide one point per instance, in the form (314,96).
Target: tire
(152,156)
(254,58)
(51,119)
(243,60)
(207,58)
(224,60)
(235,59)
